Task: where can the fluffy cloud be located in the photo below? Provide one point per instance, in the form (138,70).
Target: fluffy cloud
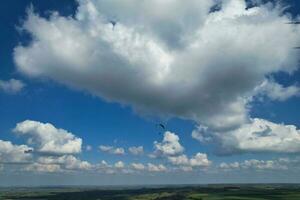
(43,168)
(156,168)
(261,136)
(171,149)
(226,166)
(169,57)
(276,91)
(51,164)
(202,134)
(10,153)
(179,160)
(254,164)
(112,150)
(119,165)
(48,139)
(11,86)
(68,162)
(170,145)
(136,150)
(199,160)
(138,166)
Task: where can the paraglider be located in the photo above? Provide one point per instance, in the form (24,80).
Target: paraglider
(28,151)
(113,23)
(161,128)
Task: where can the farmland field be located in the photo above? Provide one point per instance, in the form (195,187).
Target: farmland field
(207,192)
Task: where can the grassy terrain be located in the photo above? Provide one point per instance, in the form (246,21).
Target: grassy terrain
(211,192)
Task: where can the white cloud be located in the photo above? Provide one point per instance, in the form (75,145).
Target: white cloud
(13,155)
(138,166)
(179,160)
(261,136)
(10,153)
(119,165)
(144,61)
(112,150)
(68,162)
(261,164)
(186,168)
(254,164)
(136,150)
(227,166)
(276,91)
(104,163)
(11,86)
(171,149)
(200,160)
(201,134)
(119,151)
(48,139)
(43,168)
(156,168)
(105,148)
(170,145)
(104,167)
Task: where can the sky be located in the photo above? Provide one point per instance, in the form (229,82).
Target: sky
(107,92)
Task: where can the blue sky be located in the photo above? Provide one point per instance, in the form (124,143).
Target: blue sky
(217,99)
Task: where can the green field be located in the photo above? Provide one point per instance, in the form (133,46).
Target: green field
(209,192)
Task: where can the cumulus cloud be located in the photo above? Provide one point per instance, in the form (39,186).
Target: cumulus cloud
(171,149)
(43,168)
(156,168)
(10,153)
(48,139)
(254,164)
(68,162)
(168,57)
(104,167)
(199,160)
(227,166)
(11,86)
(170,145)
(261,136)
(179,160)
(119,165)
(138,166)
(112,150)
(136,150)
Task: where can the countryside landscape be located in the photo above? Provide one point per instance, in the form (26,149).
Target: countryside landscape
(204,192)
(149,100)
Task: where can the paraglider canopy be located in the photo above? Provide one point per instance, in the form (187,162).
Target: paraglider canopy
(113,22)
(161,128)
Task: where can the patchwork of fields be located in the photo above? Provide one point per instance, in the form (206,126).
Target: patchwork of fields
(210,192)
